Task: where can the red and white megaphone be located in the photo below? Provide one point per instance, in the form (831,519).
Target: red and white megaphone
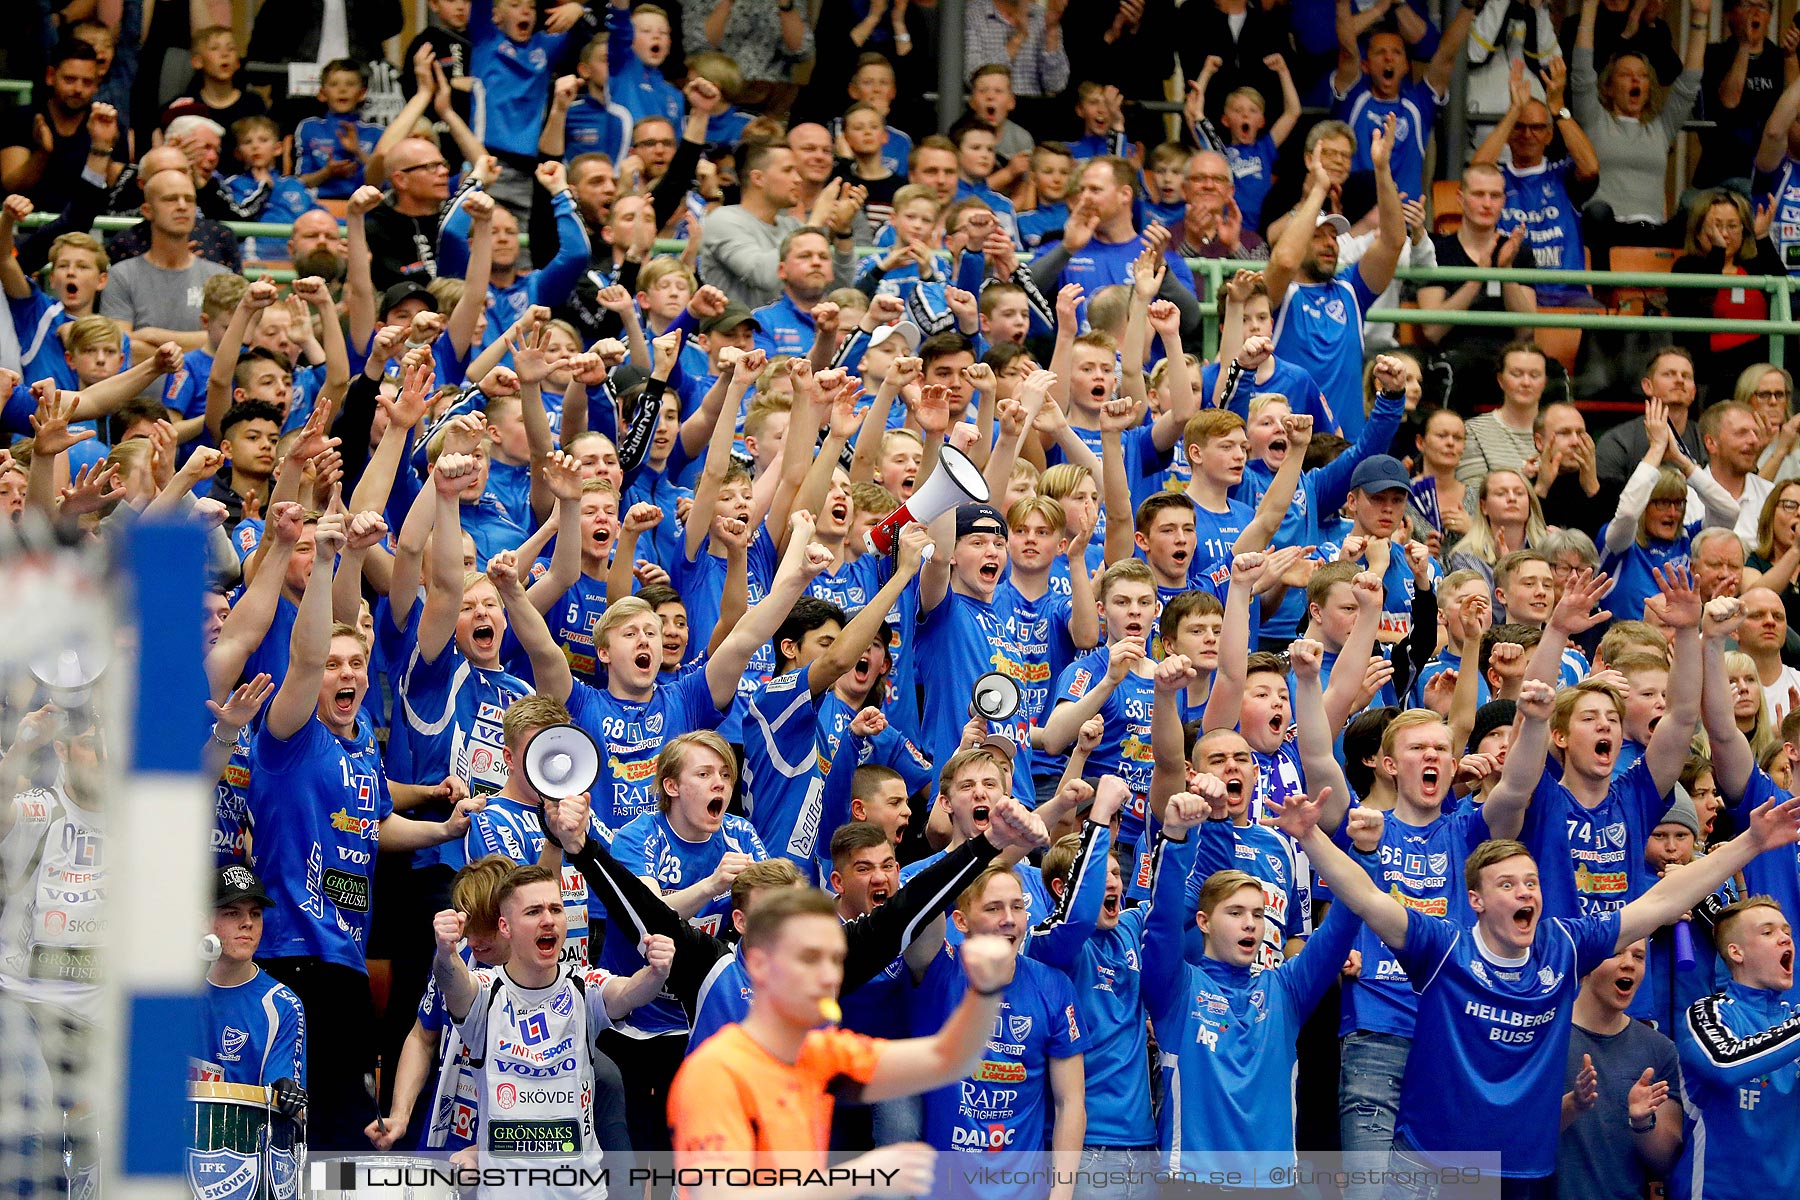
(956,481)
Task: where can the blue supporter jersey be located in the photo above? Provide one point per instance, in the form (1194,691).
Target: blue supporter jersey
(783,787)
(1215,533)
(1633,570)
(702,584)
(1415,115)
(511,828)
(255,1033)
(456,1101)
(185,390)
(724,999)
(452,710)
(631,735)
(1004,1109)
(1043,223)
(1252,174)
(1421,866)
(1104,967)
(493,526)
(854,584)
(36,320)
(1124,747)
(964,638)
(1538,198)
(231,805)
(1398,585)
(597,127)
(1280,865)
(787,329)
(638,87)
(1100,264)
(316,806)
(1591,860)
(1491,1039)
(1304,395)
(573,619)
(1005,215)
(288,200)
(1041,628)
(1227,1036)
(1779,189)
(1740,1081)
(515,79)
(316,144)
(511,486)
(650,848)
(1319,329)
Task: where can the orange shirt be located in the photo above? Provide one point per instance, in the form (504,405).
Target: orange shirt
(734,1103)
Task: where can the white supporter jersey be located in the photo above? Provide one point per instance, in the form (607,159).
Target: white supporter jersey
(52,897)
(535,1070)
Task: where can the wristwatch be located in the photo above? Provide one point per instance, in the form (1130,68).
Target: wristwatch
(1632,1124)
(1563,114)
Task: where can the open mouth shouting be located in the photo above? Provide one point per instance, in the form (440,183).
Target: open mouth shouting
(978,816)
(840,512)
(483,638)
(1603,749)
(906,486)
(643,660)
(1428,779)
(343,703)
(715,808)
(863,671)
(990,573)
(1625,985)
(546,944)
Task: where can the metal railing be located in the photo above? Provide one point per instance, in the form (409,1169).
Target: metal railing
(1210,273)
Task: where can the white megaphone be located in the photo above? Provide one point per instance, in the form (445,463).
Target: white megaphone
(956,481)
(996,697)
(69,674)
(562,761)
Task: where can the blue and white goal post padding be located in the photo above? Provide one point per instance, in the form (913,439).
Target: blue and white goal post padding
(160,869)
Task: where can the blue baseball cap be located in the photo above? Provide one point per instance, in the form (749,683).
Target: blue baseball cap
(1380,473)
(979,518)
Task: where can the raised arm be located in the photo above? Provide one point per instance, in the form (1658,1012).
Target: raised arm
(1291,247)
(718,451)
(1732,758)
(1667,750)
(310,644)
(1300,819)
(359,285)
(1274,506)
(1377,265)
(448,970)
(1773,825)
(1316,734)
(549,667)
(465,317)
(219,381)
(913,1065)
(1340,695)
(444,564)
(1225,702)
(1507,803)
(1773,146)
(12,278)
(254,612)
(800,565)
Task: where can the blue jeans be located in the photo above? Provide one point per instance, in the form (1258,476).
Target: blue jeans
(1369,1100)
(1096,1160)
(1408,1164)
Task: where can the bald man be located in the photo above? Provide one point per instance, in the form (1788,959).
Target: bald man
(156,294)
(812,149)
(403,228)
(1762,636)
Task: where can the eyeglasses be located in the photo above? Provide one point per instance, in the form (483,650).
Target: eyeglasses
(1789,507)
(1218,179)
(667,143)
(1669,500)
(438,165)
(1772,394)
